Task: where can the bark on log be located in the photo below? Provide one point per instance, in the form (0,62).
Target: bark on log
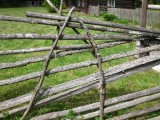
(71,25)
(137,113)
(47,61)
(93,22)
(64,86)
(96,54)
(64,37)
(54,55)
(123,105)
(111,74)
(89,107)
(75,66)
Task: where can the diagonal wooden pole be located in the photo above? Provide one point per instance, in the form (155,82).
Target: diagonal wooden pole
(37,89)
(52,6)
(97,55)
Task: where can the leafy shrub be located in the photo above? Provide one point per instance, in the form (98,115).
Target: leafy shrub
(55,2)
(109,17)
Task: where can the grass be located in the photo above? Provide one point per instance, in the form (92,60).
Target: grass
(126,85)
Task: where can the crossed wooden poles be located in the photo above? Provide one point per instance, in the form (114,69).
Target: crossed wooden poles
(83,84)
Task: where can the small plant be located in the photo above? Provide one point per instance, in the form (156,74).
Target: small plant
(109,17)
(5,115)
(70,115)
(55,2)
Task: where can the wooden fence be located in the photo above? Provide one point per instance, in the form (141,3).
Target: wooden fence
(73,87)
(153,17)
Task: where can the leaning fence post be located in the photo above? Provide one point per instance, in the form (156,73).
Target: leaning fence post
(97,55)
(37,88)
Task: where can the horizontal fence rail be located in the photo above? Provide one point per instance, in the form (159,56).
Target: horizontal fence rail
(115,34)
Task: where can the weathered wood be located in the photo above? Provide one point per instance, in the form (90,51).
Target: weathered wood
(55,55)
(97,55)
(89,107)
(53,6)
(71,25)
(40,82)
(111,74)
(137,113)
(64,48)
(123,105)
(61,8)
(74,66)
(64,86)
(64,37)
(93,22)
(155,118)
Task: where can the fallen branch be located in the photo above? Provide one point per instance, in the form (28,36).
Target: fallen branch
(121,106)
(137,113)
(111,75)
(76,66)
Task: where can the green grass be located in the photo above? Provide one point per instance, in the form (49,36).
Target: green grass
(126,85)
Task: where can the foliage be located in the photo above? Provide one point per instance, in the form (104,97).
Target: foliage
(121,21)
(109,17)
(70,115)
(5,115)
(138,3)
(49,9)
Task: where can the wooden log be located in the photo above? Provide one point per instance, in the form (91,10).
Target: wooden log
(71,25)
(93,22)
(64,86)
(93,79)
(137,113)
(89,107)
(64,37)
(97,55)
(121,106)
(54,55)
(47,61)
(73,66)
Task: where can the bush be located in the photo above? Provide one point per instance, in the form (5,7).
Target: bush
(109,17)
(49,9)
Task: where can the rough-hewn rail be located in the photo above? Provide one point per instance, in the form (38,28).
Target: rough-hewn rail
(111,74)
(93,22)
(74,66)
